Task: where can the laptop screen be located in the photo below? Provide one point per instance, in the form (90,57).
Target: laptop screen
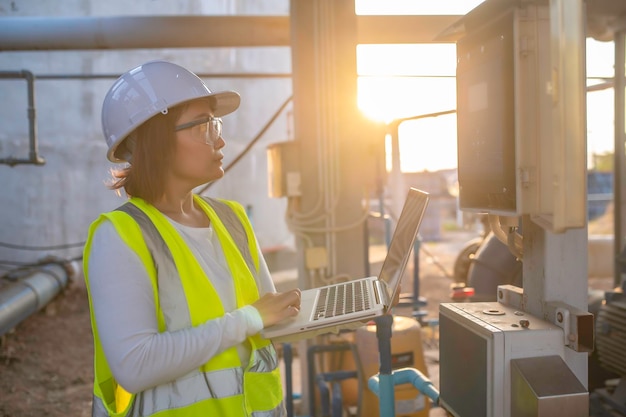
(403,239)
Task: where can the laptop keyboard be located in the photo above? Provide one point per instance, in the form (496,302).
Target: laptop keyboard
(348,297)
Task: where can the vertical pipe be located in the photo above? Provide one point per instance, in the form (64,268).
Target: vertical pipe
(32,119)
(33,156)
(416,273)
(288,358)
(386,397)
(619,166)
(397,188)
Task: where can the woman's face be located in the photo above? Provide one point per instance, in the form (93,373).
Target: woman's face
(198,152)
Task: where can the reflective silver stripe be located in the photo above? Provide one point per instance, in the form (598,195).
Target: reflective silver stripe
(153,238)
(188,390)
(265,359)
(235,229)
(279,411)
(98,409)
(171,293)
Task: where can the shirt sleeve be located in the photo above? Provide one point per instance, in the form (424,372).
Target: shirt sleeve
(125,315)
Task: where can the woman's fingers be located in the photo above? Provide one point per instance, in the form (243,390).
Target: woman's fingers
(275,307)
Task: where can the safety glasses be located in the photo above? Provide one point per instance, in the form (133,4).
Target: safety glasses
(208,128)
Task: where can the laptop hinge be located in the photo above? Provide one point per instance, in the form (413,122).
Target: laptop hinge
(380,288)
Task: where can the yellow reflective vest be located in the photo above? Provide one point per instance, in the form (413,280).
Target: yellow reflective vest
(220,387)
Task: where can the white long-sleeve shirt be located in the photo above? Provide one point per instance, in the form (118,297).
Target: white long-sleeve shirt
(123,305)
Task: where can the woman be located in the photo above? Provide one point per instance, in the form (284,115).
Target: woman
(178,287)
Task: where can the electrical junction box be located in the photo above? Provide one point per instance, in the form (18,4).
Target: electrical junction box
(283,166)
(520,112)
(477,343)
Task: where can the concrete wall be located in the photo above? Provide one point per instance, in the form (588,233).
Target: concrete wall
(54,204)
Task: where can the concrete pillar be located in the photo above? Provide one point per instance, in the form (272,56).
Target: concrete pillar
(338,160)
(337,148)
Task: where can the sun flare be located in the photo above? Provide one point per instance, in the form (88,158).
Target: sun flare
(403,81)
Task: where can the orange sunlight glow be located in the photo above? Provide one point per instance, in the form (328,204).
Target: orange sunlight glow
(402,81)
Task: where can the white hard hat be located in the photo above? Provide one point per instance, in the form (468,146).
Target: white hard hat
(147,90)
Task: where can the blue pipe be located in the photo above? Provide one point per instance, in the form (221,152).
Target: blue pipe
(404,376)
(387,402)
(324,393)
(386,395)
(383,384)
(337,403)
(333,378)
(328,376)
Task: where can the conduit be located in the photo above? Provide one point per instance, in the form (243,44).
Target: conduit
(22,298)
(33,155)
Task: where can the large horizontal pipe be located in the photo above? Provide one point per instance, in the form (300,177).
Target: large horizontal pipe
(139,32)
(130,32)
(20,299)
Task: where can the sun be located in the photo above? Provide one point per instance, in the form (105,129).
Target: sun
(403,81)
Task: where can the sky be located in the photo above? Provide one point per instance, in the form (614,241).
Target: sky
(394,83)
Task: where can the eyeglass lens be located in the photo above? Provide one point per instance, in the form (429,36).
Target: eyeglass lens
(212,130)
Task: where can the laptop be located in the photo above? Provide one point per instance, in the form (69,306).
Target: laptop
(329,308)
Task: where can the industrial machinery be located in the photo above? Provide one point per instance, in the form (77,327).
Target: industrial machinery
(521,147)
(493,355)
(609,399)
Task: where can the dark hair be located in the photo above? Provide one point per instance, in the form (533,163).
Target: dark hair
(154,145)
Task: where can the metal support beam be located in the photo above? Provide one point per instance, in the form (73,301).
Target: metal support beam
(401,29)
(337,165)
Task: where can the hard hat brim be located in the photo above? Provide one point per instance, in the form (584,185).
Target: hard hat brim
(226,102)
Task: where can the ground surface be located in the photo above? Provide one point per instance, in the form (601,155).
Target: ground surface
(46,361)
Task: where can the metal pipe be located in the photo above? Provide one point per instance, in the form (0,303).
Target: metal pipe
(27,33)
(137,32)
(619,163)
(407,376)
(244,75)
(22,298)
(33,156)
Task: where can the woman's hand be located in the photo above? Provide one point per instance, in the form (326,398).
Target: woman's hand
(275,307)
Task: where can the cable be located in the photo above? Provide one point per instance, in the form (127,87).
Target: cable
(510,237)
(252,142)
(435,261)
(53,247)
(8,265)
(14,263)
(25,266)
